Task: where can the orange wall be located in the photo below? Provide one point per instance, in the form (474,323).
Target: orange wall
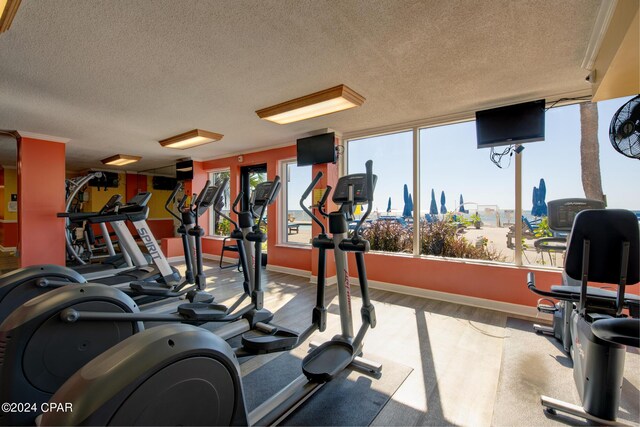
(41,193)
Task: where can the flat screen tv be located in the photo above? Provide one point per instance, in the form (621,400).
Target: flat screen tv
(317,149)
(107,180)
(513,124)
(184,170)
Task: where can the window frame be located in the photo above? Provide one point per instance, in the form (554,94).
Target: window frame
(415,128)
(210,174)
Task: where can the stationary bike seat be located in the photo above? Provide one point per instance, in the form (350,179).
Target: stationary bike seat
(625,331)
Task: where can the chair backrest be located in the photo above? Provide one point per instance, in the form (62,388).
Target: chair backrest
(606,230)
(526,222)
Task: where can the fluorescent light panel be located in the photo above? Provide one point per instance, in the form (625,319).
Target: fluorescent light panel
(332,100)
(191,139)
(8,9)
(120,160)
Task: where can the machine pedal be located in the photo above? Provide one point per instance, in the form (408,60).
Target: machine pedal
(279,339)
(546,306)
(327,360)
(203,312)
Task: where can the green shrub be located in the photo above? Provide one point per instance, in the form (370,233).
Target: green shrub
(223,227)
(439,238)
(389,236)
(543,229)
(442,239)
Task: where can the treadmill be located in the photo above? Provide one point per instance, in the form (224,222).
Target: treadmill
(137,213)
(116,262)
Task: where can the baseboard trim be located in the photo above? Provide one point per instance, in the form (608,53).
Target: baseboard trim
(288,270)
(505,307)
(329,281)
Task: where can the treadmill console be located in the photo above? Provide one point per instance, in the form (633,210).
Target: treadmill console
(113,201)
(361,193)
(140,199)
(262,192)
(562,212)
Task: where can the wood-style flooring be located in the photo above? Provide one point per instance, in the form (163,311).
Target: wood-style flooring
(455,351)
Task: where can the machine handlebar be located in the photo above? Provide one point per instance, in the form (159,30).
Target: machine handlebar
(306,194)
(369,168)
(170,200)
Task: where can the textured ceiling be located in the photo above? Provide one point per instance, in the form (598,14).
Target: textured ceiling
(8,151)
(116,77)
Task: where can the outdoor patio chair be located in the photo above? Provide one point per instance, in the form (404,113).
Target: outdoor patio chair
(229,247)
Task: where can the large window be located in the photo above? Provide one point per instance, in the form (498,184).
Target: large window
(296,224)
(391,222)
(466,202)
(557,161)
(478,218)
(220,226)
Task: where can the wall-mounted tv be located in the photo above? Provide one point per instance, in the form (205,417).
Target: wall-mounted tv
(513,124)
(163,183)
(107,180)
(317,149)
(184,170)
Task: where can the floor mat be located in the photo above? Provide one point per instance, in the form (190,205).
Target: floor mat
(533,365)
(353,398)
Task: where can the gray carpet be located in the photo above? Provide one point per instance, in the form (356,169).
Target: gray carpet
(533,365)
(353,398)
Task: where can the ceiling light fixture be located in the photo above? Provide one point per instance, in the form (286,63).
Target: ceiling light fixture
(190,139)
(8,9)
(326,101)
(120,160)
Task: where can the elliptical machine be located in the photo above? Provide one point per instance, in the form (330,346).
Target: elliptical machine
(45,341)
(183,364)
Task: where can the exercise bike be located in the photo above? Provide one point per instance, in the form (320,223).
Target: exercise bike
(604,247)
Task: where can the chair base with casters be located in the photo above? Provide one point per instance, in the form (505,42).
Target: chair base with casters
(232,248)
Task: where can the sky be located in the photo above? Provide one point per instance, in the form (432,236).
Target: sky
(450,162)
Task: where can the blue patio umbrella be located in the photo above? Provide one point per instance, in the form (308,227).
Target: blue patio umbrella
(443,208)
(542,194)
(534,201)
(461,208)
(389,205)
(433,209)
(407,211)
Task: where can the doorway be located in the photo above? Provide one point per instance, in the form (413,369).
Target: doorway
(9,256)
